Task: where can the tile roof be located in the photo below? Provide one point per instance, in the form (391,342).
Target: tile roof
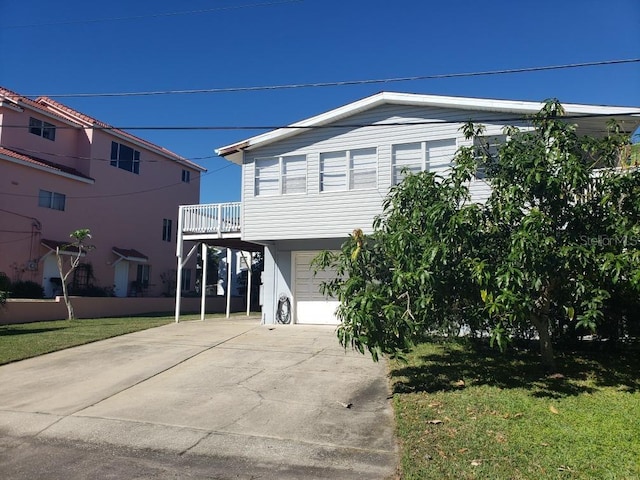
(54,167)
(68,114)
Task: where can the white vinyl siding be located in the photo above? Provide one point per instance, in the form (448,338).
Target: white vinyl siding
(280,175)
(433,156)
(334,214)
(348,170)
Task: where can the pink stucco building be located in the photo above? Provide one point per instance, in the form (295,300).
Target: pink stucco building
(61,170)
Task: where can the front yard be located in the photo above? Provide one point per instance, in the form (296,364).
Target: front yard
(464,411)
(471,413)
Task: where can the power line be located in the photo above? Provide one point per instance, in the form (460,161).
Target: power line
(153,15)
(98,159)
(123,194)
(346,82)
(519,118)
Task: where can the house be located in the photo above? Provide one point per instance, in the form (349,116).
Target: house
(305,187)
(62,170)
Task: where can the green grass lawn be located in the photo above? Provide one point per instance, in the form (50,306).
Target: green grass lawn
(472,413)
(26,340)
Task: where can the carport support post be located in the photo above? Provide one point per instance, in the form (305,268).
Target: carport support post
(179,255)
(249,264)
(203,281)
(228,282)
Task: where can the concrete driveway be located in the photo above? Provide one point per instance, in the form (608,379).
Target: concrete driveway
(216,399)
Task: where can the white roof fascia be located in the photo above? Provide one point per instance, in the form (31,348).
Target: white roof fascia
(233,151)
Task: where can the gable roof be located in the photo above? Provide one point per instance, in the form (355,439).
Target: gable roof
(233,151)
(68,115)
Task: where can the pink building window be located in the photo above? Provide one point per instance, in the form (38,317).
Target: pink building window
(125,157)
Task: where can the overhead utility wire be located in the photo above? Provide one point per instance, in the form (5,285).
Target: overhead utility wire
(153,15)
(346,82)
(79,157)
(123,194)
(521,118)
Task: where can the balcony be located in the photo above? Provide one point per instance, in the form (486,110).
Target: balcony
(214,220)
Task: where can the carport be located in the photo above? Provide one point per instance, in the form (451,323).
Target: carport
(216,225)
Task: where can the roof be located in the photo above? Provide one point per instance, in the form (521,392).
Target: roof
(44,165)
(384,98)
(68,115)
(65,247)
(130,254)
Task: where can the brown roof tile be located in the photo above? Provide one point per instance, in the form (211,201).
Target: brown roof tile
(42,163)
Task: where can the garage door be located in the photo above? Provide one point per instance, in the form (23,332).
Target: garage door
(311,307)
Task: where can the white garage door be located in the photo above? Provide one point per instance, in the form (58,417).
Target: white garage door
(311,306)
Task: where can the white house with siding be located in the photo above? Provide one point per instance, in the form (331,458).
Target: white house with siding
(307,186)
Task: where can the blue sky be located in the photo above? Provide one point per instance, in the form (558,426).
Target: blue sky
(85,47)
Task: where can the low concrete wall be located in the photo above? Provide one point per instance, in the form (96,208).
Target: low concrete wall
(26,311)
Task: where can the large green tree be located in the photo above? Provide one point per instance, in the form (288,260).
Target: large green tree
(554,242)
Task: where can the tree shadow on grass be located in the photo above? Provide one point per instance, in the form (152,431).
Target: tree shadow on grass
(7,332)
(462,363)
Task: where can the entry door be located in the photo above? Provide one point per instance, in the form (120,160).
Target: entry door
(49,271)
(311,306)
(121,278)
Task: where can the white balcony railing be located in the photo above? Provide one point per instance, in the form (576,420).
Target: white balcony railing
(213,218)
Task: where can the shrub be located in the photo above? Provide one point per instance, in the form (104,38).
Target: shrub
(26,289)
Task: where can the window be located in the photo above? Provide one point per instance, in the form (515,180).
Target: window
(294,174)
(125,157)
(363,169)
(166,230)
(186,176)
(486,152)
(281,175)
(186,279)
(42,129)
(53,200)
(142,276)
(433,156)
(349,170)
(82,276)
(333,171)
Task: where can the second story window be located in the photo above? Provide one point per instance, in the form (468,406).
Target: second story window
(186,176)
(53,200)
(281,175)
(433,156)
(166,230)
(125,157)
(349,170)
(42,129)
(486,153)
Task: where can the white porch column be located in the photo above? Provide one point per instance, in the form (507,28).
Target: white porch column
(179,255)
(203,281)
(228,292)
(249,273)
